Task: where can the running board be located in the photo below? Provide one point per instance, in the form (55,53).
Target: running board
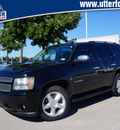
(91,95)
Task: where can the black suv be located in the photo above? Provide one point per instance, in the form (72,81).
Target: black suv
(58,75)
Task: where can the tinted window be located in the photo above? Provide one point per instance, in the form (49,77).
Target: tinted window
(86,50)
(102,52)
(60,53)
(116,49)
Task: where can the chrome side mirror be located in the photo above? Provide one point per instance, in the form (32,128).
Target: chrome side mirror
(82,58)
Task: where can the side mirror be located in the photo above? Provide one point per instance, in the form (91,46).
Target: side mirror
(82,58)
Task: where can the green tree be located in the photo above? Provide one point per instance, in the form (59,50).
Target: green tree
(42,30)
(51,28)
(7,41)
(18,29)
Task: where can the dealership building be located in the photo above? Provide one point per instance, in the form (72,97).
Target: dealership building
(112,38)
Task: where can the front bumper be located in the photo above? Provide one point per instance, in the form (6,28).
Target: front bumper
(24,103)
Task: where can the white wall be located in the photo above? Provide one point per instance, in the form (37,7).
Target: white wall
(113,38)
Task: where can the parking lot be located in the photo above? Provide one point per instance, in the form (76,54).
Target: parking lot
(98,113)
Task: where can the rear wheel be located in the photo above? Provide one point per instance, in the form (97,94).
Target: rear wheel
(55,103)
(116,85)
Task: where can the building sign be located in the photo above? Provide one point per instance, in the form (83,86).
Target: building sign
(2,13)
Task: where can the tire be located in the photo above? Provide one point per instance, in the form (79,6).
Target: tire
(55,104)
(116,85)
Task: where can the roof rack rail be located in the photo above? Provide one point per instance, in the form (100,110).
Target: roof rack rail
(92,41)
(103,42)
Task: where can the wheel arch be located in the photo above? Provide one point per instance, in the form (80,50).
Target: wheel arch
(117,71)
(63,82)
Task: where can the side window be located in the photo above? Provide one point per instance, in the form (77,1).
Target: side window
(86,50)
(116,49)
(102,52)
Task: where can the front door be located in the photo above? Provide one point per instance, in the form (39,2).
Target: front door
(86,75)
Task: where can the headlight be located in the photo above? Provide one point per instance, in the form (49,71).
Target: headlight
(23,83)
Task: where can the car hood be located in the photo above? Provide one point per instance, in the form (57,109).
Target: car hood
(12,70)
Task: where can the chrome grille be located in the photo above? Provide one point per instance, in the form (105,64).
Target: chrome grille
(5,87)
(6,79)
(5,84)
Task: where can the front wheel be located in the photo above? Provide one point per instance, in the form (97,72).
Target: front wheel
(55,103)
(116,85)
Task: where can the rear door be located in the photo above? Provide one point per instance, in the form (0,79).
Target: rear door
(104,56)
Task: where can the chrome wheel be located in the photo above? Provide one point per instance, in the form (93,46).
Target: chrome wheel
(54,104)
(118,85)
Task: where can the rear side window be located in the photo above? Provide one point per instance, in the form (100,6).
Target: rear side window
(86,50)
(102,52)
(116,49)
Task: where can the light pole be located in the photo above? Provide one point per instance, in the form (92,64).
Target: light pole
(29,54)
(86,24)
(1,49)
(11,58)
(1,54)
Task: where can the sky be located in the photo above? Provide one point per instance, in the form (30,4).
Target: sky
(100,23)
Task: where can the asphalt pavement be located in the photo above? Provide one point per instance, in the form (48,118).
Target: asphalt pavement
(98,113)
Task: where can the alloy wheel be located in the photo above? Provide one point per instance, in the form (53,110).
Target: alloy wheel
(54,104)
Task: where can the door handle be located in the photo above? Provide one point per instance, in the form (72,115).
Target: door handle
(96,67)
(112,65)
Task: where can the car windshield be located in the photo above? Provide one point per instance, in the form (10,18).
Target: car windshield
(59,53)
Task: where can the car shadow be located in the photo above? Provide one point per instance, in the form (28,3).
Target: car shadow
(75,106)
(88,102)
